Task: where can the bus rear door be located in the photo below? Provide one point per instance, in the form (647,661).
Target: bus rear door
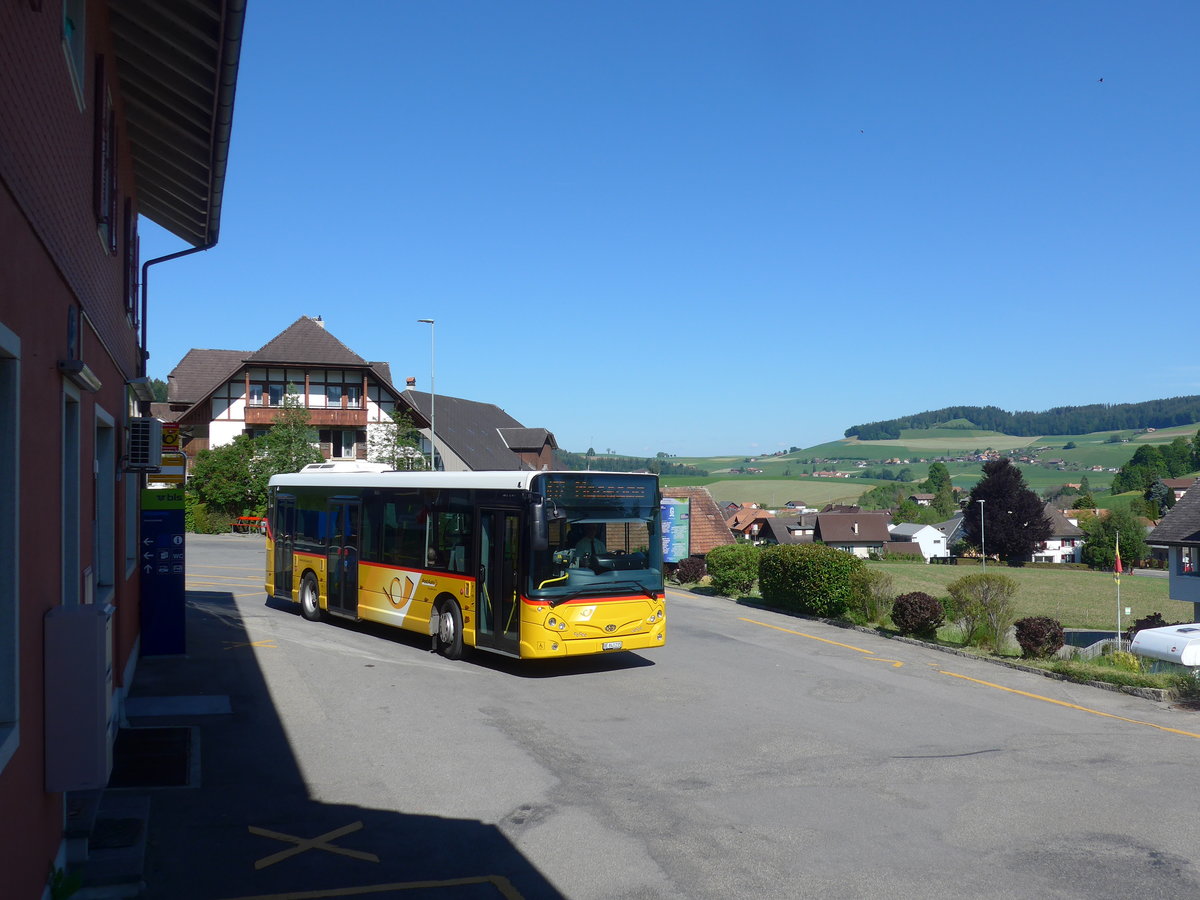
(342,556)
(284,534)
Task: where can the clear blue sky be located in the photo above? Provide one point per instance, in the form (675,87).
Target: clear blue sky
(706,228)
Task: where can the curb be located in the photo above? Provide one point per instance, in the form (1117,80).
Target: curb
(1158,695)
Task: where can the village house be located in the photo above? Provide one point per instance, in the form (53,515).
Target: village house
(930,540)
(1179,532)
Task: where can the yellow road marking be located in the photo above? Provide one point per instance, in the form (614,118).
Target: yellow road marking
(320,842)
(269,642)
(812,636)
(896,664)
(499,882)
(1094,712)
(229,568)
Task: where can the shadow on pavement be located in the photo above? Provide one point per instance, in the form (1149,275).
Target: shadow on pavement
(250,828)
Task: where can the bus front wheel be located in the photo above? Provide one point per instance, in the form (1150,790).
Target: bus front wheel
(449,629)
(310,598)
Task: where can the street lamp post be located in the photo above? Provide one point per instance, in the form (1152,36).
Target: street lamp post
(982,542)
(432,398)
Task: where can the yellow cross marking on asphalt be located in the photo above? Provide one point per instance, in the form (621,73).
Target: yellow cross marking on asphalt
(320,842)
(268,642)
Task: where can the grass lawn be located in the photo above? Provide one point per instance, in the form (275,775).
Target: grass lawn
(1076,597)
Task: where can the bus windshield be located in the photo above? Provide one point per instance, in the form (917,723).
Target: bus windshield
(603,537)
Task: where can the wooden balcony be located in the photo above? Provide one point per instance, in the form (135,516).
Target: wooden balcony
(317,418)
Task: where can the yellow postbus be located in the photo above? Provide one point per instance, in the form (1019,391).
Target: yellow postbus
(522,563)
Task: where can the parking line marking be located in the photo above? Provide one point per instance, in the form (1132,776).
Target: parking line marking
(1094,712)
(320,842)
(499,882)
(266,642)
(813,636)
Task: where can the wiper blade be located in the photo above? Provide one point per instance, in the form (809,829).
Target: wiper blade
(603,588)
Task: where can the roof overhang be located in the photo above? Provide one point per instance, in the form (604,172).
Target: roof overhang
(178,66)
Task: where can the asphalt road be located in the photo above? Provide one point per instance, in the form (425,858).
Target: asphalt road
(755,755)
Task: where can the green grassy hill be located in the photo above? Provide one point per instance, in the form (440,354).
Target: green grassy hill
(788,476)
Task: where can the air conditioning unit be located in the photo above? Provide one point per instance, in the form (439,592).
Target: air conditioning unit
(145,443)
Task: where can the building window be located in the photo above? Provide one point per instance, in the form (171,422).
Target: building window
(104,182)
(1187,560)
(132,254)
(104,537)
(10,491)
(71,576)
(74,37)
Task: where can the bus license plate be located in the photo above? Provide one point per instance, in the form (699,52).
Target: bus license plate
(611,645)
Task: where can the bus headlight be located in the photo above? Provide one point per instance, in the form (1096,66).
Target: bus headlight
(552,622)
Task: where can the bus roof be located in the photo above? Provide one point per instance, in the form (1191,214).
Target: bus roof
(506,480)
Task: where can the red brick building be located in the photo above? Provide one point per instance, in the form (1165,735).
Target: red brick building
(108,109)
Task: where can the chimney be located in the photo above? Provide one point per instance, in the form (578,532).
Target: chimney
(319,321)
(410,383)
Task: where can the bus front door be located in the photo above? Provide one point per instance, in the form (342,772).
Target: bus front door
(498,620)
(284,535)
(342,556)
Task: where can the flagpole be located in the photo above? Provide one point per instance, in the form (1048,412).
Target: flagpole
(1117,576)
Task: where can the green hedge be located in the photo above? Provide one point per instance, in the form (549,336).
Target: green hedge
(808,578)
(732,568)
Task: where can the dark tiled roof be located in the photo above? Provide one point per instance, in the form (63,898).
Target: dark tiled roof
(1060,525)
(199,373)
(706,522)
(902,548)
(517,439)
(472,430)
(1181,525)
(788,529)
(306,343)
(839,527)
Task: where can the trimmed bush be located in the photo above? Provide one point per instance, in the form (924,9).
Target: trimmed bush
(871,594)
(690,570)
(733,568)
(808,578)
(1039,636)
(917,613)
(984,602)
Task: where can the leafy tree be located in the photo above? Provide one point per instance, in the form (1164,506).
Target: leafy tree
(398,444)
(1178,457)
(1161,496)
(291,443)
(1085,486)
(1014,521)
(1099,550)
(907,511)
(223,480)
(884,496)
(939,478)
(1084,501)
(944,503)
(1069,445)
(1146,466)
(159,389)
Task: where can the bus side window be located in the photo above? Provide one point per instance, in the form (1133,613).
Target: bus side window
(403,530)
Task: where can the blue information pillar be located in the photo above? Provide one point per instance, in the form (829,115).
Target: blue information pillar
(161,562)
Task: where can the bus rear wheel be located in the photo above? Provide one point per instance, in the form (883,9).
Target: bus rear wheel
(310,598)
(449,629)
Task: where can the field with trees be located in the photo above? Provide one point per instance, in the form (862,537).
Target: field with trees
(1058,460)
